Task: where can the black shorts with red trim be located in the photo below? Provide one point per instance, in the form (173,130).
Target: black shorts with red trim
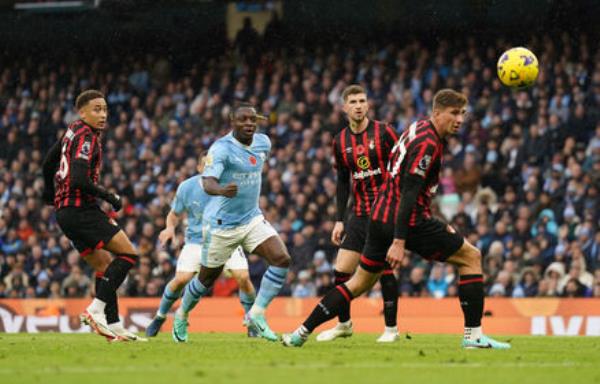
(88,228)
(431,239)
(355,235)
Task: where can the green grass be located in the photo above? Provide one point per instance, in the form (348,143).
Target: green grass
(228,358)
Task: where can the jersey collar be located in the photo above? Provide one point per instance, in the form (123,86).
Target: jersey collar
(238,143)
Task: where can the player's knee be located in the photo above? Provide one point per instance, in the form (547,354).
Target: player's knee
(179,282)
(103,265)
(282,260)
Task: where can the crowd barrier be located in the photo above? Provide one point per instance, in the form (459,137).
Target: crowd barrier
(539,316)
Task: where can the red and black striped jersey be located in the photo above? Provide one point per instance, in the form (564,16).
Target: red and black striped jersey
(362,157)
(80,142)
(418,152)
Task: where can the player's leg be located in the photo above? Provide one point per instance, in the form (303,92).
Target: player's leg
(216,250)
(99,261)
(170,295)
(90,229)
(389,291)
(345,265)
(371,263)
(194,291)
(238,266)
(125,258)
(263,240)
(188,264)
(471,296)
(328,307)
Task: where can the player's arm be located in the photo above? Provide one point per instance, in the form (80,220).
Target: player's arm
(213,168)
(49,168)
(212,187)
(418,164)
(173,220)
(80,170)
(342,193)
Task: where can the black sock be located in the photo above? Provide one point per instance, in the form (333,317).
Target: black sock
(112,307)
(470,293)
(114,276)
(328,307)
(341,278)
(389,291)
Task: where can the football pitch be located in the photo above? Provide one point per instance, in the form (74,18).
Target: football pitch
(231,358)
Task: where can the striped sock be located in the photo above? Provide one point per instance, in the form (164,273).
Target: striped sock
(194,290)
(166,302)
(247,300)
(270,285)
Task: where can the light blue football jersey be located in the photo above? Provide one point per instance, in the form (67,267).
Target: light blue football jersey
(191,199)
(228,161)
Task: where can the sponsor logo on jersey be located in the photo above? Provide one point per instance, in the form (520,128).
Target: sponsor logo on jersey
(363,162)
(365,174)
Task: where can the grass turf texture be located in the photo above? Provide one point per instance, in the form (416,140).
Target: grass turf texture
(227,358)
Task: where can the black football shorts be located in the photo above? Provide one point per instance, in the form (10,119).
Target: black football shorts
(88,228)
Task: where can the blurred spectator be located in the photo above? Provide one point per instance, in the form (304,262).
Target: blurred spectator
(521,180)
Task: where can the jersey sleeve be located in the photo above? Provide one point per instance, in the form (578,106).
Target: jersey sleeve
(83,147)
(337,156)
(420,159)
(215,161)
(178,203)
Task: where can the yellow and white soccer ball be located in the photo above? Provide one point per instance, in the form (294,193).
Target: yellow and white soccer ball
(518,68)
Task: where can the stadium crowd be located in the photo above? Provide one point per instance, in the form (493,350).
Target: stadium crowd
(521,181)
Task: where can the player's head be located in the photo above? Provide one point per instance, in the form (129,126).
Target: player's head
(355,103)
(92,108)
(244,121)
(449,108)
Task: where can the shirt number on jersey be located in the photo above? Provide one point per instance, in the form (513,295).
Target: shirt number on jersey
(63,169)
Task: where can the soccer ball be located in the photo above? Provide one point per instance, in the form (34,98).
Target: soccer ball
(518,68)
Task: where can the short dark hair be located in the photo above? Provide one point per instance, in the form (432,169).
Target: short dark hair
(353,89)
(445,98)
(85,97)
(238,106)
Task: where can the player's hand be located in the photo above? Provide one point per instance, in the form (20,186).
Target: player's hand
(48,196)
(165,235)
(338,232)
(230,190)
(395,253)
(115,200)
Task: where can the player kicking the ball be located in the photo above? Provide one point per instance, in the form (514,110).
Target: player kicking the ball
(401,218)
(191,199)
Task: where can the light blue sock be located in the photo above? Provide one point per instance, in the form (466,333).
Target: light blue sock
(270,285)
(194,290)
(247,300)
(166,302)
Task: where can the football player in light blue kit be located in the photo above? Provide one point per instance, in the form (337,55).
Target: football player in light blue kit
(232,218)
(191,199)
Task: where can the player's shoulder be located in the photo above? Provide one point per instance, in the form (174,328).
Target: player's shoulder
(262,140)
(426,128)
(383,127)
(78,128)
(190,183)
(338,136)
(220,145)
